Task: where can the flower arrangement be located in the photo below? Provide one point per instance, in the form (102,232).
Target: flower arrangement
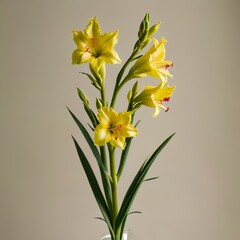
(111,130)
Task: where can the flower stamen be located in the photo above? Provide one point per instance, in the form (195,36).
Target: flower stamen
(119,127)
(166,99)
(167,66)
(94,41)
(87,49)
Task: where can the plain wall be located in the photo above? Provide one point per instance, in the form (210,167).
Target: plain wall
(44,193)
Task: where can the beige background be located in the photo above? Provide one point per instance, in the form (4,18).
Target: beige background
(44,193)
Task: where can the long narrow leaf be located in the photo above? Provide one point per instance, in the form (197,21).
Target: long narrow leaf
(93,80)
(94,184)
(91,115)
(90,143)
(105,181)
(106,178)
(124,221)
(150,179)
(137,181)
(124,155)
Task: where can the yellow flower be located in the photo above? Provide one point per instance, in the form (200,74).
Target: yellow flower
(152,63)
(154,96)
(95,47)
(113,128)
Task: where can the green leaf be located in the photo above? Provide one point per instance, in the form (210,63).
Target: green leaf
(99,218)
(133,212)
(94,185)
(150,179)
(90,143)
(93,80)
(91,116)
(136,183)
(124,155)
(106,178)
(105,181)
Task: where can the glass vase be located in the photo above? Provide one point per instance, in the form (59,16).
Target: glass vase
(127,235)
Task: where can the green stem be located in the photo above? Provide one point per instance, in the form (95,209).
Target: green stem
(106,183)
(119,77)
(114,186)
(103,94)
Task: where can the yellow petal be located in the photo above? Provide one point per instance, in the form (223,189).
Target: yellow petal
(101,135)
(80,39)
(164,93)
(123,118)
(111,57)
(108,40)
(118,142)
(76,57)
(93,28)
(129,131)
(96,63)
(106,116)
(103,117)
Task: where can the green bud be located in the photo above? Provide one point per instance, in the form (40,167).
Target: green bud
(102,71)
(135,89)
(153,29)
(143,38)
(99,103)
(145,43)
(97,73)
(133,92)
(129,95)
(141,29)
(83,97)
(145,33)
(147,21)
(144,25)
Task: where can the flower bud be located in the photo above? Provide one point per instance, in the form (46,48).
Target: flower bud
(135,89)
(145,33)
(98,73)
(102,71)
(99,103)
(83,97)
(133,92)
(153,29)
(129,95)
(144,25)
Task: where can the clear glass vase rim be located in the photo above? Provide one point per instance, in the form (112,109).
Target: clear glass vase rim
(126,233)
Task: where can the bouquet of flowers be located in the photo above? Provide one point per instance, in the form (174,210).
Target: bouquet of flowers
(110,130)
